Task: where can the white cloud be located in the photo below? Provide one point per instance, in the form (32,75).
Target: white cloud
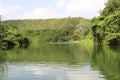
(62,8)
(74,8)
(60,3)
(8,9)
(4,10)
(39,13)
(77,7)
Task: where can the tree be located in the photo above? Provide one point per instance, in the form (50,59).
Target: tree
(106,27)
(111,6)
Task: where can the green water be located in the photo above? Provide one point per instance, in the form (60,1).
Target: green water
(60,62)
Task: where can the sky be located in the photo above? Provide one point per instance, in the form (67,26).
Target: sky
(44,9)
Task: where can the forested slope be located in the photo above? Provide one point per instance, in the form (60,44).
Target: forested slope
(40,24)
(52,30)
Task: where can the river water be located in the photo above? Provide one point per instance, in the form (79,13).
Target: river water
(60,62)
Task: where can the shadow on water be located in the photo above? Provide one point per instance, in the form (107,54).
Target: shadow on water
(98,57)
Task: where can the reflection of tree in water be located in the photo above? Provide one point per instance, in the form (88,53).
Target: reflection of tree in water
(107,60)
(2,66)
(3,56)
(81,54)
(1,71)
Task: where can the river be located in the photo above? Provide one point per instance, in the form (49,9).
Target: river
(60,62)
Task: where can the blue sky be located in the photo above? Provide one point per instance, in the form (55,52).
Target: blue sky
(35,9)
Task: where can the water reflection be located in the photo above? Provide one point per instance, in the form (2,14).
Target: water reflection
(60,62)
(50,72)
(107,60)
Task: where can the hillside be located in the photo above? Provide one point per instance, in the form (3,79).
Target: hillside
(52,30)
(41,24)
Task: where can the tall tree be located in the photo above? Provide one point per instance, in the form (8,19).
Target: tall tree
(106,27)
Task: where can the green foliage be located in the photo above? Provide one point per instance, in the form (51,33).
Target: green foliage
(42,24)
(111,6)
(62,35)
(9,37)
(52,30)
(106,28)
(107,60)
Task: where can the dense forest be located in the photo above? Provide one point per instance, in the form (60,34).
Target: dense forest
(10,37)
(104,28)
(52,30)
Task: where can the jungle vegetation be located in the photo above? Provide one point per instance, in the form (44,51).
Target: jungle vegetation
(9,37)
(106,27)
(52,30)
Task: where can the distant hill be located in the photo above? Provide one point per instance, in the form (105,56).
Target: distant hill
(52,30)
(41,24)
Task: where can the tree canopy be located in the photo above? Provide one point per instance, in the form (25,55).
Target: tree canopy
(106,27)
